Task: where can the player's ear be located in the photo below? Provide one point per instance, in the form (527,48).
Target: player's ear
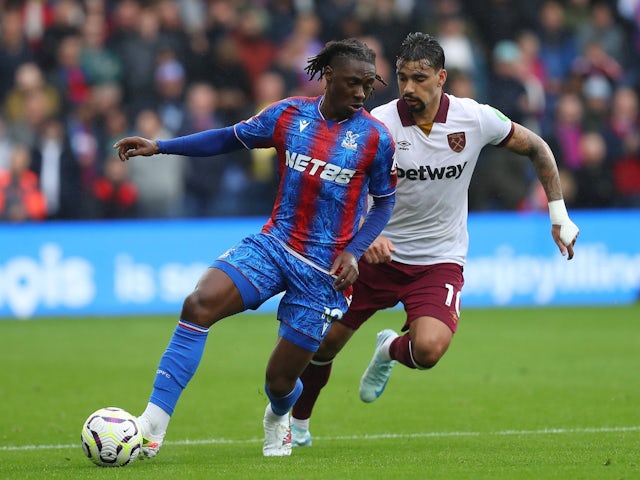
(442,77)
(328,73)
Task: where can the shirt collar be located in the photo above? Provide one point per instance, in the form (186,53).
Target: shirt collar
(407,119)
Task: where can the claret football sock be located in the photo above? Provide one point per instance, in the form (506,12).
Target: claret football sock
(400,350)
(178,364)
(314,378)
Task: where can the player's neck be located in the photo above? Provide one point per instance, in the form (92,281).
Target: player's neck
(328,113)
(428,115)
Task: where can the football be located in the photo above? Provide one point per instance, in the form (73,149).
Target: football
(111,437)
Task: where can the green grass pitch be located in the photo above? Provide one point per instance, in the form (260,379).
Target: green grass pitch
(538,394)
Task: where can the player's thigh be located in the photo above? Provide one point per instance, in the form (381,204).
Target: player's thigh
(215,297)
(334,342)
(377,288)
(435,292)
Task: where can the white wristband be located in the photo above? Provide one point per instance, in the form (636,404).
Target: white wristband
(559,216)
(558,212)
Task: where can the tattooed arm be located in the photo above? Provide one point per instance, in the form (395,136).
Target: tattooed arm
(525,142)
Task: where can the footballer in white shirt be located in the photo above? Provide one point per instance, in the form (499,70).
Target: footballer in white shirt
(418,259)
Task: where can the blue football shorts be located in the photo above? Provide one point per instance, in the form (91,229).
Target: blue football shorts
(261,267)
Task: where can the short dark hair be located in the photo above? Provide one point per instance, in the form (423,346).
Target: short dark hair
(349,48)
(419,46)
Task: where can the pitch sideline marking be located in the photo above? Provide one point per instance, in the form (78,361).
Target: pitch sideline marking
(213,441)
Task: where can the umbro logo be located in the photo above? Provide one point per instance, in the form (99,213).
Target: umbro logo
(404,145)
(304,124)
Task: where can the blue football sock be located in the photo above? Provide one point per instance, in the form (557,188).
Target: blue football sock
(178,364)
(282,405)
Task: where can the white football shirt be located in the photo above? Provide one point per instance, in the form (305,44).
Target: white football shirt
(429,220)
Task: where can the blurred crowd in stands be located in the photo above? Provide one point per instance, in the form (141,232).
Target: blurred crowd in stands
(76,75)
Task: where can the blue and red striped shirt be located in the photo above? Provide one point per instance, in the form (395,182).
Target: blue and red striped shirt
(326,170)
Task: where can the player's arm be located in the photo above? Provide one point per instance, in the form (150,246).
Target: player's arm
(345,266)
(524,142)
(201,144)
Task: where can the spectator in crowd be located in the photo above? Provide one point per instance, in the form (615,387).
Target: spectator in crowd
(622,135)
(629,11)
(29,82)
(507,91)
(462,52)
(6,144)
(594,179)
(105,99)
(558,48)
(74,54)
(283,15)
(388,20)
(68,76)
(82,129)
(174,35)
(498,20)
(601,29)
(270,87)
(58,171)
(170,82)
(36,17)
(533,78)
(567,129)
(595,62)
(334,15)
(302,43)
(160,183)
(217,186)
(597,92)
(137,44)
(20,198)
(97,60)
(67,17)
(14,49)
(230,79)
(460,84)
(254,49)
(114,195)
(114,125)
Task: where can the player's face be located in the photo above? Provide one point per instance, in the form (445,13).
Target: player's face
(349,84)
(420,87)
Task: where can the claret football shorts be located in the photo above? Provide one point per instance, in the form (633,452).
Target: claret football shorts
(424,290)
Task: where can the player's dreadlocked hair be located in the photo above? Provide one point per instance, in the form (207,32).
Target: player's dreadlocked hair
(420,46)
(349,48)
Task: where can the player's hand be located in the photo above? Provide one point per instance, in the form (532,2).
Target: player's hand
(345,269)
(565,236)
(379,251)
(133,146)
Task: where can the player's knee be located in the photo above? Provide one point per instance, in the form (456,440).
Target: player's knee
(427,353)
(279,385)
(195,310)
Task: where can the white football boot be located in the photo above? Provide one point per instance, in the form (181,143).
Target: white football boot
(375,377)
